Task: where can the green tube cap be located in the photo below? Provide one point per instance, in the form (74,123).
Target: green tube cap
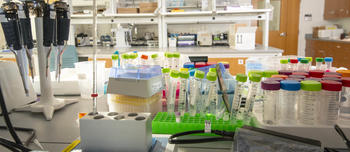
(174,74)
(153,56)
(184,74)
(309,59)
(311,85)
(319,59)
(165,70)
(269,73)
(241,77)
(284,61)
(199,74)
(212,70)
(255,72)
(125,56)
(255,77)
(305,61)
(211,76)
(133,55)
(115,57)
(176,55)
(169,55)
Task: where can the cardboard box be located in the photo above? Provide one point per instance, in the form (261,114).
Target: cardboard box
(147,9)
(127,10)
(153,4)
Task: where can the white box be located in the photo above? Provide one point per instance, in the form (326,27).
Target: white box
(245,38)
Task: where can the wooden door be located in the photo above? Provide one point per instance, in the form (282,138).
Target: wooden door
(284,27)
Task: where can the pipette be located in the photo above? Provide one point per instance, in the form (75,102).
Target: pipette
(49,21)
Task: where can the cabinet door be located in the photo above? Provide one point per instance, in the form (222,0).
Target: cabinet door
(339,51)
(330,9)
(237,65)
(342,9)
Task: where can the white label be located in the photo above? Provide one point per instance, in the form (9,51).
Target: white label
(3,18)
(207,128)
(156,86)
(21,14)
(52,15)
(240,61)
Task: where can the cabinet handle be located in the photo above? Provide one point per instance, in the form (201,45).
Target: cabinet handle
(342,10)
(331,12)
(338,46)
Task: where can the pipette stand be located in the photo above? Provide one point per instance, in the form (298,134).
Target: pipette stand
(48,103)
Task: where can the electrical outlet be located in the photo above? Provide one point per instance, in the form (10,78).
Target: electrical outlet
(240,61)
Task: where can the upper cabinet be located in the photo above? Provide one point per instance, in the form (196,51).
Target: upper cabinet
(335,9)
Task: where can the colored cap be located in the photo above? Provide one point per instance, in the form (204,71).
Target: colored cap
(283,61)
(255,77)
(309,59)
(346,81)
(319,59)
(285,72)
(332,73)
(176,55)
(125,56)
(295,79)
(332,76)
(328,59)
(299,59)
(189,65)
(305,61)
(331,85)
(270,85)
(184,74)
(316,73)
(183,69)
(255,72)
(279,76)
(133,55)
(199,74)
(174,73)
(165,70)
(212,70)
(344,73)
(301,73)
(313,79)
(169,55)
(241,77)
(211,76)
(115,57)
(332,79)
(192,72)
(294,61)
(134,51)
(269,73)
(297,76)
(116,52)
(275,79)
(290,85)
(145,57)
(311,85)
(153,56)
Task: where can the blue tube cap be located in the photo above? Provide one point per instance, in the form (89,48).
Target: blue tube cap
(192,72)
(328,59)
(290,85)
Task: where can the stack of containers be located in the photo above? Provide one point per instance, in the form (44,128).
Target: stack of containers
(271,97)
(329,105)
(309,102)
(287,111)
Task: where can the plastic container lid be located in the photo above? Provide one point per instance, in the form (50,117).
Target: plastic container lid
(255,72)
(174,73)
(255,77)
(176,55)
(115,57)
(346,81)
(145,57)
(309,59)
(189,65)
(344,73)
(274,79)
(270,85)
(153,56)
(295,79)
(269,73)
(165,70)
(285,72)
(301,73)
(313,79)
(311,85)
(319,59)
(290,85)
(294,61)
(125,56)
(241,77)
(297,76)
(331,85)
(332,79)
(299,59)
(199,74)
(283,61)
(332,73)
(169,55)
(212,70)
(211,76)
(316,73)
(279,76)
(328,59)
(183,69)
(133,55)
(305,61)
(192,72)
(184,74)
(331,76)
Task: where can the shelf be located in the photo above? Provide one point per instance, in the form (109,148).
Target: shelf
(144,18)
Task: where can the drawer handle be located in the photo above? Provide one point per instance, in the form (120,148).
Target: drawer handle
(338,46)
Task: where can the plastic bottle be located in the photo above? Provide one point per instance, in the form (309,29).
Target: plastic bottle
(184,75)
(212,99)
(176,61)
(252,93)
(270,97)
(168,60)
(309,102)
(284,64)
(115,63)
(166,80)
(294,64)
(329,105)
(236,103)
(319,63)
(328,61)
(172,91)
(125,60)
(134,59)
(345,100)
(303,65)
(310,59)
(155,59)
(287,112)
(144,60)
(195,99)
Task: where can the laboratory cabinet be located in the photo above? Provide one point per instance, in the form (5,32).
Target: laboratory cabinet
(335,9)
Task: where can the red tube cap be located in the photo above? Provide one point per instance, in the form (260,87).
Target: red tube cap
(331,85)
(346,81)
(331,76)
(294,61)
(94,95)
(316,73)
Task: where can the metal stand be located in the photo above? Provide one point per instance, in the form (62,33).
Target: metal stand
(48,103)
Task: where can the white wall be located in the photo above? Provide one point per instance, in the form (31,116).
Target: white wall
(2,38)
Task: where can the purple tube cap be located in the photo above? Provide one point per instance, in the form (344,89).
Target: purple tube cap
(274,79)
(295,79)
(285,72)
(297,76)
(270,85)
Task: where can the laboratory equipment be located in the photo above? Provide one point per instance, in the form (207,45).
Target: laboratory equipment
(259,72)
(319,63)
(252,93)
(332,79)
(204,39)
(116,132)
(270,99)
(331,76)
(184,76)
(345,100)
(155,59)
(168,60)
(294,64)
(171,96)
(269,73)
(236,103)
(144,60)
(310,59)
(125,60)
(284,64)
(309,102)
(332,73)
(305,74)
(275,79)
(134,60)
(285,72)
(297,76)
(123,37)
(166,80)
(344,73)
(211,102)
(303,65)
(141,81)
(287,111)
(328,61)
(196,88)
(279,76)
(316,73)
(329,105)
(176,61)
(313,79)
(115,61)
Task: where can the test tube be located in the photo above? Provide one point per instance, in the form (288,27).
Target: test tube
(328,61)
(174,74)
(195,100)
(115,61)
(329,107)
(166,80)
(144,60)
(168,60)
(319,63)
(271,97)
(303,65)
(184,75)
(155,59)
(310,59)
(284,64)
(125,60)
(287,110)
(240,80)
(269,73)
(294,64)
(134,59)
(212,99)
(176,61)
(252,92)
(309,102)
